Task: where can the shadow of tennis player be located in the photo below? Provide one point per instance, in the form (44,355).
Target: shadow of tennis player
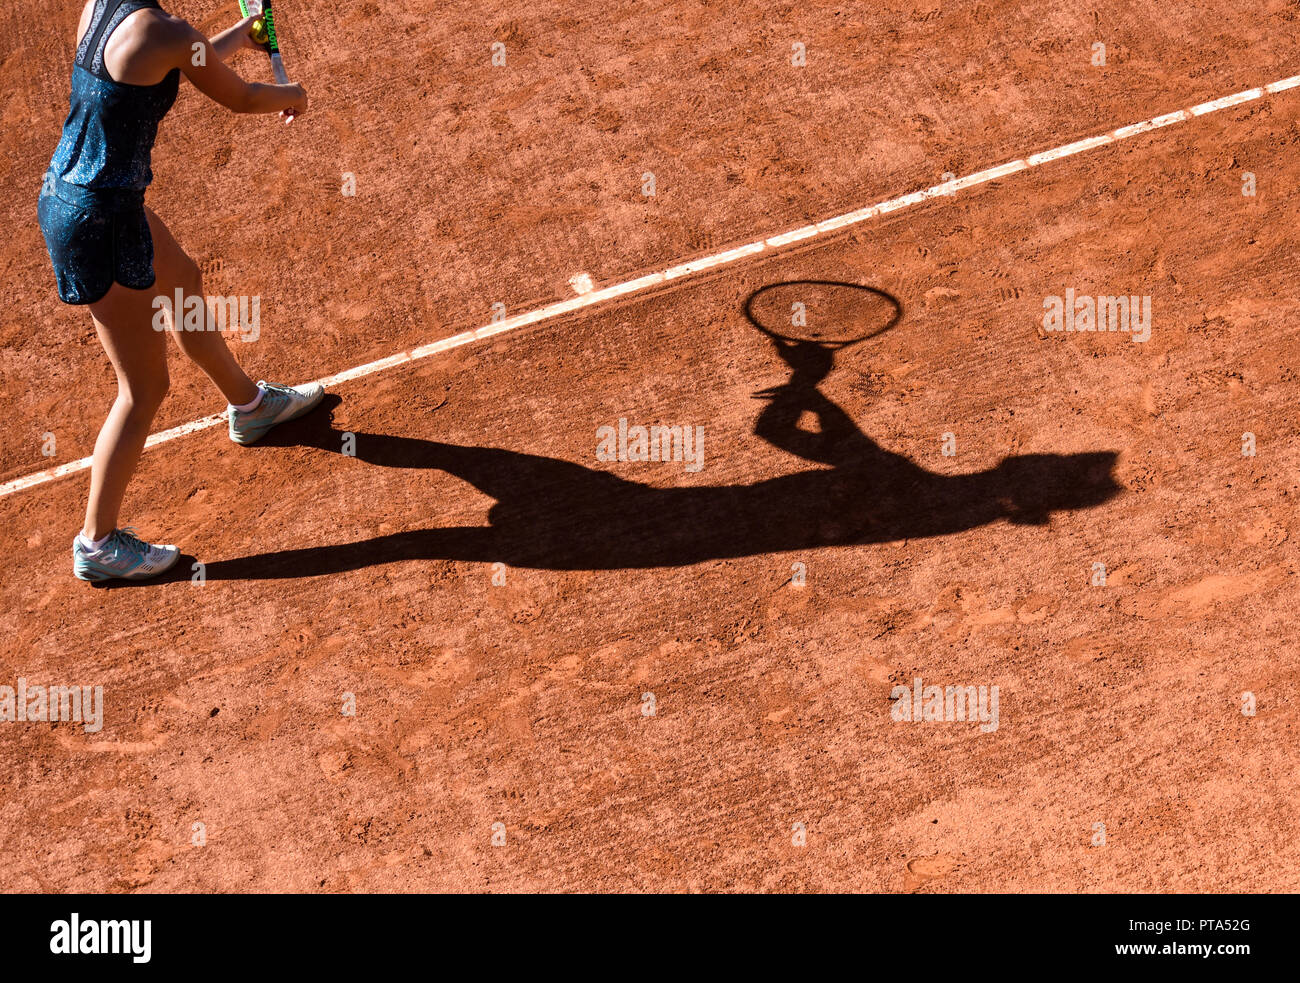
(555,514)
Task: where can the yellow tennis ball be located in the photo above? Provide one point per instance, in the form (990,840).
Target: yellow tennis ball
(258,31)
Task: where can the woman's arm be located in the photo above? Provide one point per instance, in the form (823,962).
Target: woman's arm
(199,59)
(234,39)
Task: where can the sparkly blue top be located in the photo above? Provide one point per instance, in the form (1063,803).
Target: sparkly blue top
(109,134)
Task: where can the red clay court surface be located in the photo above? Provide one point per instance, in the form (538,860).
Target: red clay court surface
(515,712)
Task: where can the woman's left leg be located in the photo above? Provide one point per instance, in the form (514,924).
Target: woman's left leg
(139,359)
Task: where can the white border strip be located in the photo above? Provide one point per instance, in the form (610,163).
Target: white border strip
(695,266)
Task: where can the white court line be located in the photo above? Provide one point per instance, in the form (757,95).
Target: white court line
(706,263)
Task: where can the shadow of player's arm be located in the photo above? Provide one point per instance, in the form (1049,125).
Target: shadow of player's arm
(837,441)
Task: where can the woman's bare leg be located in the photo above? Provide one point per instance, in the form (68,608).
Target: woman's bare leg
(207,349)
(123,321)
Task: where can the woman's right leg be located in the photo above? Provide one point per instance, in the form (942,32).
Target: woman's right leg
(207,349)
(124,322)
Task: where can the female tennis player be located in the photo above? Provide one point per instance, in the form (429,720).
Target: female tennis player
(114,255)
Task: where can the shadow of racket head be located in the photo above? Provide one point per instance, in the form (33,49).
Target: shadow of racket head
(831,313)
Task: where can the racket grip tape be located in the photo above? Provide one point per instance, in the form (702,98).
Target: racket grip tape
(277,69)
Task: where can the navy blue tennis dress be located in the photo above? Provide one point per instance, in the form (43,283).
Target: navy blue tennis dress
(92,200)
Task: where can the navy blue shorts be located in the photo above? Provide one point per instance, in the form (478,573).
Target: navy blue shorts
(95,238)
